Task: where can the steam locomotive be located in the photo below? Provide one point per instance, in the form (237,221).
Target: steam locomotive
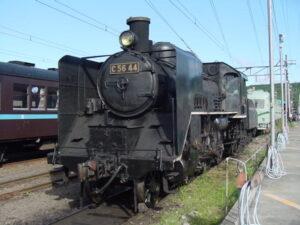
(151,115)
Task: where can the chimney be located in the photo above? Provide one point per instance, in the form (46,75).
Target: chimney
(140,26)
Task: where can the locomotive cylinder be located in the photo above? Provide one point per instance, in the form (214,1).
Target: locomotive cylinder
(140,26)
(221,123)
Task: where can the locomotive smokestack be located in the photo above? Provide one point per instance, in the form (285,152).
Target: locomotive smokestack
(140,26)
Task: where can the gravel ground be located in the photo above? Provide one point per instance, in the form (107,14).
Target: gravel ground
(41,207)
(38,207)
(15,171)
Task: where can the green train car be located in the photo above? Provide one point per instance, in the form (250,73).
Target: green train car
(261,100)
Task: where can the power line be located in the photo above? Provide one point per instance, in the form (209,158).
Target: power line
(263,13)
(31,37)
(221,28)
(285,20)
(33,41)
(283,12)
(196,23)
(255,31)
(150,4)
(89,17)
(299,34)
(77,18)
(274,22)
(19,54)
(266,21)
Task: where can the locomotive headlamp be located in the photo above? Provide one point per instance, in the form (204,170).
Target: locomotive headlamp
(127,38)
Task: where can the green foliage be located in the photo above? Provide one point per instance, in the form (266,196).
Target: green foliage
(203,202)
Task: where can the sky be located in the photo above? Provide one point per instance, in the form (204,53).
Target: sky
(232,31)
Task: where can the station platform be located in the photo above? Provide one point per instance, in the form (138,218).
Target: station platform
(279,202)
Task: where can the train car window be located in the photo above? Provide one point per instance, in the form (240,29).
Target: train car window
(52,98)
(20,96)
(259,103)
(38,97)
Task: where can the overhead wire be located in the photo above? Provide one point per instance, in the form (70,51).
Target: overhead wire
(196,23)
(263,13)
(34,41)
(275,25)
(299,34)
(285,14)
(33,37)
(151,5)
(260,70)
(275,20)
(20,54)
(77,18)
(221,29)
(255,30)
(89,17)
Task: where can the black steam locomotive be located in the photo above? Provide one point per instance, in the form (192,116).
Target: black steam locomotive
(151,116)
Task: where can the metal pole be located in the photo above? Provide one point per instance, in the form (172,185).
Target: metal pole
(285,92)
(271,73)
(281,82)
(289,100)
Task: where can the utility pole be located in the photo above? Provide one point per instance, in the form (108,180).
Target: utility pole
(286,92)
(289,100)
(281,82)
(271,73)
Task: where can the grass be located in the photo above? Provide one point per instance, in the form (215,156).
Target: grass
(203,202)
(292,124)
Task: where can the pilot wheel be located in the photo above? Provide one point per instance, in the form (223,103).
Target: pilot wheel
(152,190)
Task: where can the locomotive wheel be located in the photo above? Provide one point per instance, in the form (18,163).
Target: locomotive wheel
(254,132)
(91,189)
(217,147)
(232,148)
(152,190)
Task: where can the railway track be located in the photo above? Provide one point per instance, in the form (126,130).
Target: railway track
(21,155)
(116,209)
(24,162)
(14,187)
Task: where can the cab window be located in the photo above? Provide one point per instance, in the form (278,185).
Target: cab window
(52,98)
(232,84)
(20,96)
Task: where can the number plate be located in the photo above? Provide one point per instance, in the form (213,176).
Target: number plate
(120,68)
